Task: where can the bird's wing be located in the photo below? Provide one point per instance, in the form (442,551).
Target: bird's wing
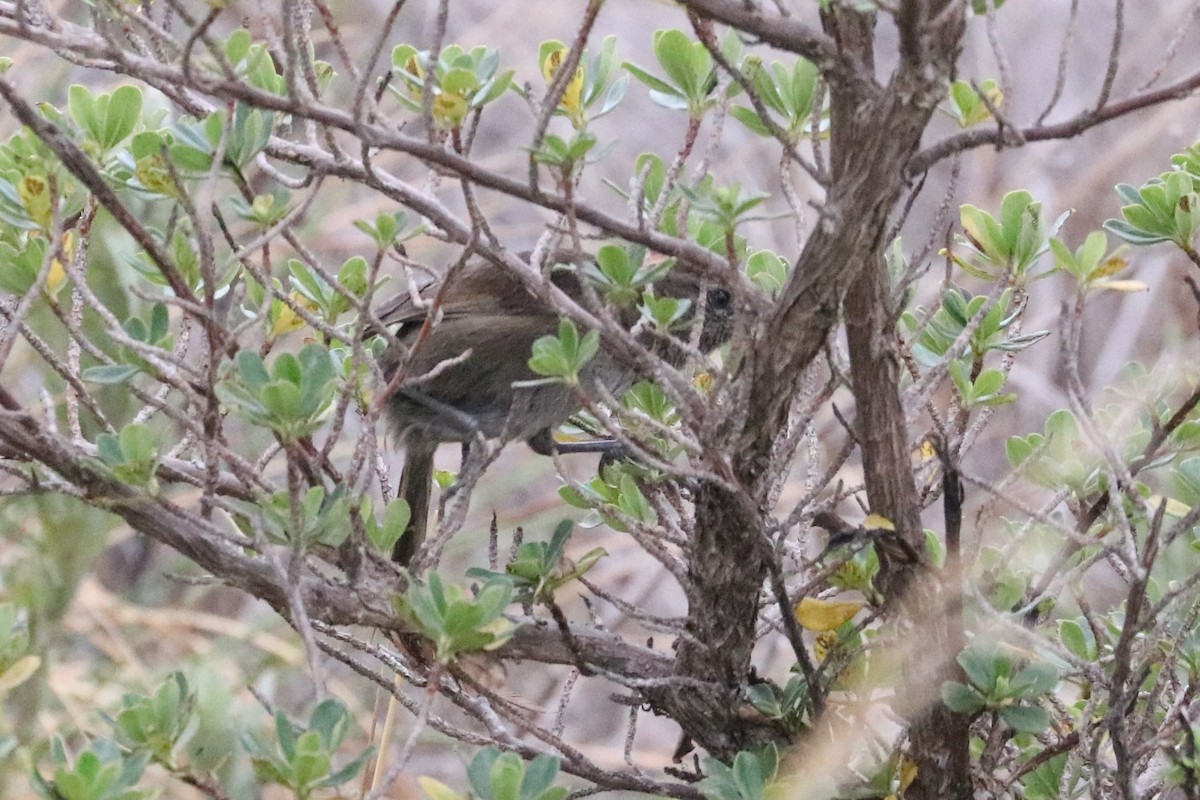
(478,289)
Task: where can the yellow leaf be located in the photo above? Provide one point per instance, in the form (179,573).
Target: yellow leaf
(287,320)
(58,273)
(1174,507)
(152,173)
(55,278)
(437,790)
(823,644)
(68,244)
(1112,265)
(34,191)
(982,112)
(972,227)
(552,62)
(825,615)
(908,772)
(18,673)
(413,68)
(449,109)
(878,522)
(572,99)
(927,450)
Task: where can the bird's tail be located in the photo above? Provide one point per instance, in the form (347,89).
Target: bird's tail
(416,487)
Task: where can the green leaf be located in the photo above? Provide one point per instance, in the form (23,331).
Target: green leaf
(1043,783)
(983,666)
(687,63)
(655,84)
(122,115)
(935,549)
(1074,639)
(331,720)
(285,735)
(539,774)
(563,356)
(506,776)
(254,373)
(395,520)
(768,270)
(1129,233)
(1025,719)
(138,442)
(747,775)
(82,105)
(109,448)
(1034,680)
(479,771)
(750,118)
(960,698)
(109,373)
(615,264)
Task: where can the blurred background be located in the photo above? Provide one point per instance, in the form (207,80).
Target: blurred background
(114,610)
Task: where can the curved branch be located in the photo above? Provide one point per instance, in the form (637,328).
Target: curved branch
(787,34)
(969,140)
(331,601)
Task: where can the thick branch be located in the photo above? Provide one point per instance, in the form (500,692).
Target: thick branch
(836,65)
(727,558)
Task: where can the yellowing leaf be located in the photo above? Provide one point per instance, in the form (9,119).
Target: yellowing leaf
(55,278)
(972,226)
(908,772)
(552,62)
(572,99)
(436,789)
(878,522)
(58,273)
(287,320)
(34,191)
(18,673)
(823,644)
(982,112)
(825,615)
(927,450)
(413,67)
(449,109)
(1174,507)
(444,478)
(1111,265)
(501,630)
(152,173)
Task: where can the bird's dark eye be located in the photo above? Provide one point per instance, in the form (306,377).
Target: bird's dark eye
(719,299)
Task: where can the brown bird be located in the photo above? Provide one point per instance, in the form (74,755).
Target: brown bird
(464,377)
